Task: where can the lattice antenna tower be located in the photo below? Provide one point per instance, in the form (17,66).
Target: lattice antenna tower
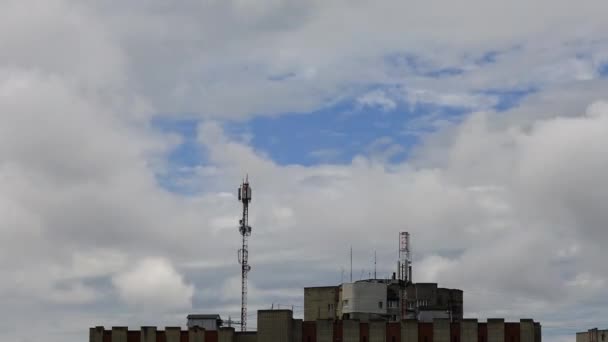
(405,268)
(244,194)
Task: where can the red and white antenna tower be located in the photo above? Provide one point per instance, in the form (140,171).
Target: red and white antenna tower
(405,268)
(405,261)
(245,230)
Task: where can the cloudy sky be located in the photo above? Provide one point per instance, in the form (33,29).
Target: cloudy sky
(479,126)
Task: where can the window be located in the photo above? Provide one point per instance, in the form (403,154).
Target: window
(345,302)
(379,305)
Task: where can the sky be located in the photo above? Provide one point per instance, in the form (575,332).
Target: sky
(126,128)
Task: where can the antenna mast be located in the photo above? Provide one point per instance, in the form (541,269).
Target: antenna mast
(244,194)
(405,269)
(351,264)
(375,265)
(405,261)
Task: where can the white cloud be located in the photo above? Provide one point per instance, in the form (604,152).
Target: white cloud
(153,284)
(377,98)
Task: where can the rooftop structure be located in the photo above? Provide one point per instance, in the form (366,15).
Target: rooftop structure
(380,299)
(209,322)
(592,335)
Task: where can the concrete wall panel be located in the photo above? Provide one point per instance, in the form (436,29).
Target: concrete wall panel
(582,337)
(119,334)
(496,330)
(441,330)
(468,330)
(245,337)
(538,337)
(409,331)
(148,334)
(526,330)
(96,334)
(196,334)
(377,331)
(275,326)
(297,330)
(172,334)
(350,331)
(225,335)
(325,331)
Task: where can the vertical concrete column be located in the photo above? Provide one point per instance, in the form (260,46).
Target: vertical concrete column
(148,334)
(297,330)
(496,330)
(468,330)
(173,334)
(377,331)
(225,335)
(119,334)
(409,330)
(441,330)
(350,331)
(526,330)
(325,331)
(96,334)
(196,334)
(537,332)
(275,325)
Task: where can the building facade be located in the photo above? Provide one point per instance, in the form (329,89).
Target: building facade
(592,335)
(280,326)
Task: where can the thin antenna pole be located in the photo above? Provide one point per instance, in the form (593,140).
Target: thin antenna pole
(351,264)
(375,264)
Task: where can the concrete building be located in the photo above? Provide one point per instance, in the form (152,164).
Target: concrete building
(592,335)
(207,322)
(434,302)
(374,299)
(363,300)
(280,326)
(321,302)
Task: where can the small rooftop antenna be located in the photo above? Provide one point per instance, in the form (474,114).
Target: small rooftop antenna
(374,264)
(351,264)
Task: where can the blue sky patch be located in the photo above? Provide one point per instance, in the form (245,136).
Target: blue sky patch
(337,134)
(509,98)
(182,160)
(603,70)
